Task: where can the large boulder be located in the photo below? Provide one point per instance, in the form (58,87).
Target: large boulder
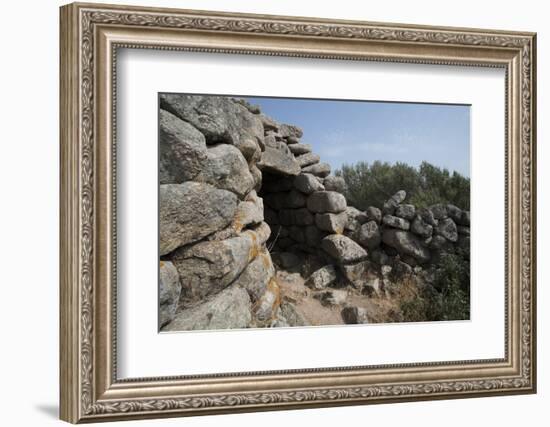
(420,227)
(290,130)
(307,183)
(321,278)
(169,291)
(333,223)
(208,267)
(326,201)
(230,309)
(368,235)
(343,249)
(447,228)
(307,159)
(335,183)
(256,276)
(190,211)
(406,243)
(182,150)
(218,118)
(278,161)
(318,169)
(298,149)
(226,168)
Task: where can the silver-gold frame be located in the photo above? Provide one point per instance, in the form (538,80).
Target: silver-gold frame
(90,37)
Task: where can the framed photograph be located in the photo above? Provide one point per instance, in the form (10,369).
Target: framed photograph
(268,212)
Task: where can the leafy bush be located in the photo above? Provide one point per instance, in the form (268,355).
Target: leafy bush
(372,184)
(448,298)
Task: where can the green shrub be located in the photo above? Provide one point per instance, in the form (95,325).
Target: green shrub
(372,184)
(448,298)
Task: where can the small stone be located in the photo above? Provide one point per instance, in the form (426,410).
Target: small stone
(307,183)
(298,149)
(357,274)
(291,315)
(307,159)
(447,228)
(333,223)
(322,278)
(374,214)
(292,140)
(394,201)
(357,215)
(318,169)
(396,222)
(420,227)
(427,216)
(439,211)
(250,211)
(290,130)
(269,123)
(405,211)
(343,249)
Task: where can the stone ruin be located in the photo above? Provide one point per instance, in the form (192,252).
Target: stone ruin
(236,187)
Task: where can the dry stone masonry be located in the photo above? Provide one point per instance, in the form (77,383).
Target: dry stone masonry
(237,187)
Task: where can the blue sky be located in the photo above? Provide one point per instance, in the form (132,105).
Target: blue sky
(351,131)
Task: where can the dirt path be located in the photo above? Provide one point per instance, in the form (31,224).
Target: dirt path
(294,290)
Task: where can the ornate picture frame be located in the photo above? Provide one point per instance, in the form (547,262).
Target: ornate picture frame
(90,37)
